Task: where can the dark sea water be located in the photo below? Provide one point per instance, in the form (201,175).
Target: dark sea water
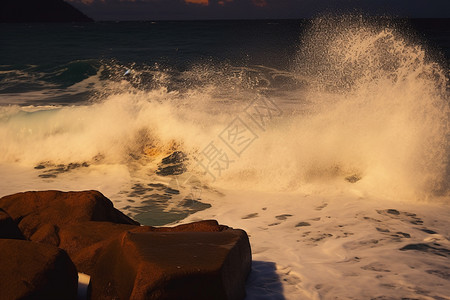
(34,56)
(53,57)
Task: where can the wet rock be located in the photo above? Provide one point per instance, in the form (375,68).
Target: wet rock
(174,265)
(31,270)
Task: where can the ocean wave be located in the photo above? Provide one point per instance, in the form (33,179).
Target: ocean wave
(362,107)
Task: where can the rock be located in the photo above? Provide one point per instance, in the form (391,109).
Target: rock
(40,215)
(8,228)
(200,260)
(40,11)
(35,271)
(84,242)
(174,265)
(201,226)
(47,234)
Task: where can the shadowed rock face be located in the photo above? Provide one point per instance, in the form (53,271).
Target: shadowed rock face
(8,228)
(40,11)
(35,271)
(201,260)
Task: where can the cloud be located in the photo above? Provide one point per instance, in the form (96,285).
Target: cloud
(202,2)
(223,2)
(259,3)
(113,10)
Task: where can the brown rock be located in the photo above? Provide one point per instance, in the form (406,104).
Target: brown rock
(85,241)
(201,260)
(8,228)
(174,265)
(201,226)
(47,234)
(40,215)
(31,270)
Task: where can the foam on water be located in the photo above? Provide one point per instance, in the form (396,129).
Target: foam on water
(360,102)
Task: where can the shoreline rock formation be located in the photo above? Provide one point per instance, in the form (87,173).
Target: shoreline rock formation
(201,260)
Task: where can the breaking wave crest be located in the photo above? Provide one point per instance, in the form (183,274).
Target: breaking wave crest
(362,108)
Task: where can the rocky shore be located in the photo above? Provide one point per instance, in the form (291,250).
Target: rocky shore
(47,238)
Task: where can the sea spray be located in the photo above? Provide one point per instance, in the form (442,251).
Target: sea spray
(362,108)
(385,102)
(375,114)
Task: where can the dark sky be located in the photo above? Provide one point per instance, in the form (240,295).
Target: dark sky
(254,9)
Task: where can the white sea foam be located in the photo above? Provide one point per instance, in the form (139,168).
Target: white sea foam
(367,104)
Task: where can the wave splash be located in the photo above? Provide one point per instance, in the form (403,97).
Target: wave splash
(362,108)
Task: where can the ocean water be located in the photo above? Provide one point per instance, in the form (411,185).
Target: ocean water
(327,140)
